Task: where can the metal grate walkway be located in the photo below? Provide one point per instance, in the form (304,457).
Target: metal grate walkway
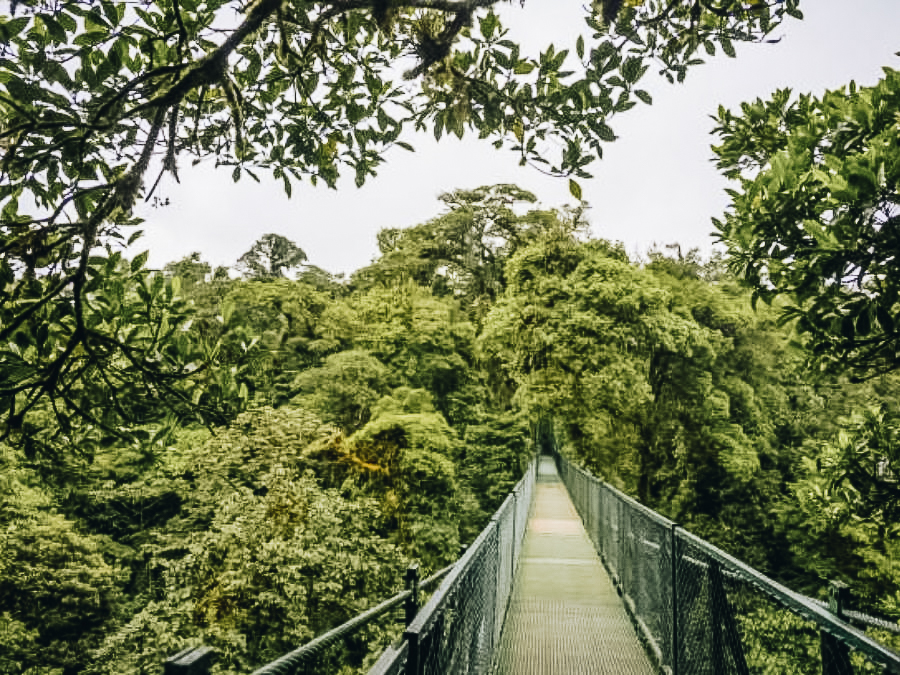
(564,616)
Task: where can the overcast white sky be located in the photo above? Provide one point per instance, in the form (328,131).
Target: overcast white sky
(655,184)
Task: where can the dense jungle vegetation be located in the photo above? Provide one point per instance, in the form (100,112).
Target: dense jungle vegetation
(189,455)
(381,419)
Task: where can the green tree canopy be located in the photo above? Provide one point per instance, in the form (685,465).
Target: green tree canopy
(665,384)
(58,585)
(93,94)
(271,257)
(815,217)
(843,518)
(463,252)
(344,388)
(190,269)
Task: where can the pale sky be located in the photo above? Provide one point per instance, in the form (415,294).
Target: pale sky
(656,183)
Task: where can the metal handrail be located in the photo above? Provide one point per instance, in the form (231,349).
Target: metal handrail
(419,643)
(288,662)
(799,604)
(836,626)
(862,618)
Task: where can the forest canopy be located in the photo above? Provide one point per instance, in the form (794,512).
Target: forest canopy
(95,93)
(380,420)
(245,460)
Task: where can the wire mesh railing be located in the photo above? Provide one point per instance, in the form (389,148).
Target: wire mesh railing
(455,632)
(327,652)
(459,627)
(324,653)
(699,611)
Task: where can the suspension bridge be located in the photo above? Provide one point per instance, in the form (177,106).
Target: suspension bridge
(571,576)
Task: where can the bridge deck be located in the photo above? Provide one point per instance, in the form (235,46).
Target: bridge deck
(564,615)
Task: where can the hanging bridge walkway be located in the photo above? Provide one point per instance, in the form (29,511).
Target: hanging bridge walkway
(573,577)
(564,614)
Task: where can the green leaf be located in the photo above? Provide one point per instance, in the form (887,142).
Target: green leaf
(53,72)
(91,38)
(604,132)
(12,28)
(67,22)
(632,69)
(518,130)
(575,189)
(488,25)
(254,67)
(139,261)
(109,9)
(227,310)
(383,120)
(727,47)
(55,30)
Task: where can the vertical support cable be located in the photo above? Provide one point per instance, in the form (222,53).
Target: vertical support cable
(726,636)
(675,640)
(513,558)
(714,593)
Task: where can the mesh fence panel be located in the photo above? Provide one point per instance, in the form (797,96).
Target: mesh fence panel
(732,619)
(457,636)
(506,533)
(459,627)
(709,638)
(646,564)
(524,493)
(702,612)
(635,544)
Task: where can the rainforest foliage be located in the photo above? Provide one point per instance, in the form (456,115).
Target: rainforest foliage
(374,421)
(190,456)
(815,217)
(95,93)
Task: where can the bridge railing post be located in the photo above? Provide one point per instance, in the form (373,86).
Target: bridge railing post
(411,581)
(835,654)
